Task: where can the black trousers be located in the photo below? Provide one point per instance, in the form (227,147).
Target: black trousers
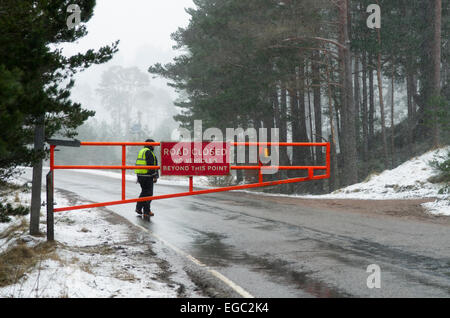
(147,191)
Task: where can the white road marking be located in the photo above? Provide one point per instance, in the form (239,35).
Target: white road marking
(241,291)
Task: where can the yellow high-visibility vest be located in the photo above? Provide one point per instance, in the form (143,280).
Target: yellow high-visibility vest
(142,161)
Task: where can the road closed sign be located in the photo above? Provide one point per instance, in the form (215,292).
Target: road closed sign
(195,159)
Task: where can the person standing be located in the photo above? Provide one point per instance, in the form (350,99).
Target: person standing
(146,178)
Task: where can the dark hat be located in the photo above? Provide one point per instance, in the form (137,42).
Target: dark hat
(150,147)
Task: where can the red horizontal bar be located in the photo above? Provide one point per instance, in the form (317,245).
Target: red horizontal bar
(278,167)
(183,194)
(297,144)
(120,143)
(106,167)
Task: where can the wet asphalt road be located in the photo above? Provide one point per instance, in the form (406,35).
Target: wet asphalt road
(286,250)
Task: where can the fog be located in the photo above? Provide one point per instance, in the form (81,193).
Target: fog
(143,28)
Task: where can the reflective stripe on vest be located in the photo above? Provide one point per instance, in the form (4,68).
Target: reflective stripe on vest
(142,161)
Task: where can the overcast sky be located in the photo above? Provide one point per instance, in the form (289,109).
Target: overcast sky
(143,28)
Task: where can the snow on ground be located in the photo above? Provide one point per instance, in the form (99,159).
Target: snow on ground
(407,181)
(438,207)
(94,258)
(410,180)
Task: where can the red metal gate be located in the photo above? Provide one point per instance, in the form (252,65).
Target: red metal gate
(261,183)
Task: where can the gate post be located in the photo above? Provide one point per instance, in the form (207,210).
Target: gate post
(50,212)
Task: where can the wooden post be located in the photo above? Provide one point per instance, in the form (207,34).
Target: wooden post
(50,212)
(39,139)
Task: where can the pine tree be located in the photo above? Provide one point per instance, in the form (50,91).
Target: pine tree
(46,76)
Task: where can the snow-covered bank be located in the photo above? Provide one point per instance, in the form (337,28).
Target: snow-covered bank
(93,257)
(410,180)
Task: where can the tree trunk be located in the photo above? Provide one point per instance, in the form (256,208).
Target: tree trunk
(392,119)
(437,67)
(310,119)
(371,105)
(357,100)
(317,105)
(304,154)
(334,181)
(341,105)
(425,113)
(411,117)
(364,118)
(318,151)
(284,158)
(350,157)
(293,105)
(382,114)
(414,93)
